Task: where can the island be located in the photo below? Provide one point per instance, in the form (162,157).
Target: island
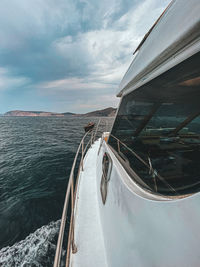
(107,112)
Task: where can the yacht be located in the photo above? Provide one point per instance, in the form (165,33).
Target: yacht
(136,200)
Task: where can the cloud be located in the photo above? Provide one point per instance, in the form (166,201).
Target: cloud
(61,48)
(103,55)
(94,103)
(72,84)
(9,82)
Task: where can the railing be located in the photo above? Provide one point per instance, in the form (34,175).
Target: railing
(148,165)
(70,191)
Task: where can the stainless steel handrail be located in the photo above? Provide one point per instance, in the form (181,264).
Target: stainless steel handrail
(65,208)
(96,129)
(151,169)
(70,189)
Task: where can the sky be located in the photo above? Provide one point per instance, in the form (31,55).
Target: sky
(69,55)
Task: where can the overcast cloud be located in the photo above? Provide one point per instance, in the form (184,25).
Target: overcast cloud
(68,55)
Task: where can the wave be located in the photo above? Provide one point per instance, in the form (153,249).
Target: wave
(36,250)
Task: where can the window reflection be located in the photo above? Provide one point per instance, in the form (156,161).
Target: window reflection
(158,131)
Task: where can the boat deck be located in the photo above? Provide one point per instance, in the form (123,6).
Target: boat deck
(88,231)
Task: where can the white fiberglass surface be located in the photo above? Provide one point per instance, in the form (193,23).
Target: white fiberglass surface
(177,30)
(88,232)
(144,232)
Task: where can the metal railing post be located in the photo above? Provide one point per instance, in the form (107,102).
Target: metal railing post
(82,155)
(74,249)
(70,189)
(64,214)
(91,138)
(96,130)
(118,145)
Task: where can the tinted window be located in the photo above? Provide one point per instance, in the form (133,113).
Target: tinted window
(158,130)
(106,172)
(106,166)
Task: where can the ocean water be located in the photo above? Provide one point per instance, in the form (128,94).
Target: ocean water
(36,155)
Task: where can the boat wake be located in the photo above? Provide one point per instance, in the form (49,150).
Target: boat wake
(36,250)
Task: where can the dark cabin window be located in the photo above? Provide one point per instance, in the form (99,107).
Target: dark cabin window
(106,172)
(157,129)
(106,167)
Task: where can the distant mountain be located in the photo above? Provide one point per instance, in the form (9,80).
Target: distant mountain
(22,113)
(68,114)
(107,112)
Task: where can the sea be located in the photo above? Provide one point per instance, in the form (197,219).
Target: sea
(36,155)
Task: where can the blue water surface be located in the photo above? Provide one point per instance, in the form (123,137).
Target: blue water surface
(36,155)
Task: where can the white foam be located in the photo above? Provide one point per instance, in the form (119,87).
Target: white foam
(37,249)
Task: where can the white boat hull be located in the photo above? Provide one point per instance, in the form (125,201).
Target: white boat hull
(139,231)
